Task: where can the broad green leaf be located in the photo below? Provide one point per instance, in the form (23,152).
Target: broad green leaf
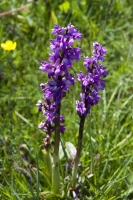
(54,18)
(64,7)
(129,179)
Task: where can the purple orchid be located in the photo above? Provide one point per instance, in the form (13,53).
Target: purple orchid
(91,82)
(60,60)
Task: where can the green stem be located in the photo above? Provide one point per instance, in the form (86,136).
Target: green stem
(55,167)
(79,148)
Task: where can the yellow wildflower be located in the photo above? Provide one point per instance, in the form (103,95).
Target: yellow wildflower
(9,45)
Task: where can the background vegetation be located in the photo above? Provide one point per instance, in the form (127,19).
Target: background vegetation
(107,156)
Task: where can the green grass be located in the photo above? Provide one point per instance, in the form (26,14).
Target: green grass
(108,143)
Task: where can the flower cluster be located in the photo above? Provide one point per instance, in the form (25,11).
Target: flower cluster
(91,82)
(60,60)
